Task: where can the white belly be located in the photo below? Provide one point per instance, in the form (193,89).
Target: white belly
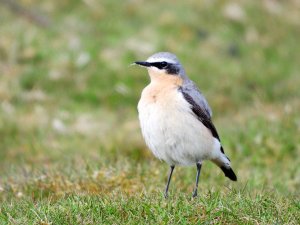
(173,133)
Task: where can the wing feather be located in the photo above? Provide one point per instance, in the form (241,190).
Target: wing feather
(201,110)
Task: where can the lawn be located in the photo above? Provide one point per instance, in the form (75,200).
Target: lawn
(71,151)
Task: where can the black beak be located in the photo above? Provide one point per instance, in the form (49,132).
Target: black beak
(141,63)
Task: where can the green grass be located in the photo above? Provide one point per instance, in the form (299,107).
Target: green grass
(71,151)
(236,207)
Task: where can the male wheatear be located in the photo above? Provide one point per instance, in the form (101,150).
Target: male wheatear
(175,119)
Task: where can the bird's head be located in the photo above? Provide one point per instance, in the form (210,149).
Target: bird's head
(162,64)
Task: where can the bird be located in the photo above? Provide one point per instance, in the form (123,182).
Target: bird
(176,119)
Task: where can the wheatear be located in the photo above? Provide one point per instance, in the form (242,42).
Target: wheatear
(175,119)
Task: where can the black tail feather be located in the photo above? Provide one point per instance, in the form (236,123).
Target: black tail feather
(229,173)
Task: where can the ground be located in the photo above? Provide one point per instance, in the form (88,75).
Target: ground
(71,151)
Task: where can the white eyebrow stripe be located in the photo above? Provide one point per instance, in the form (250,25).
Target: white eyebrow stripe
(153,60)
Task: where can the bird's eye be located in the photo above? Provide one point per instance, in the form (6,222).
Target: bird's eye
(163,64)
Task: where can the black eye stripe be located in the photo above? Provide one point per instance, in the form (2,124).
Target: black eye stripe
(160,65)
(169,67)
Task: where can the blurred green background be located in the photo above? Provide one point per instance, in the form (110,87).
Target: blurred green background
(68,121)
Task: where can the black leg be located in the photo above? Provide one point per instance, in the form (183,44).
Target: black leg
(197,179)
(169,179)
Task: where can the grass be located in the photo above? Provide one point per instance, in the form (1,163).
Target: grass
(71,151)
(154,209)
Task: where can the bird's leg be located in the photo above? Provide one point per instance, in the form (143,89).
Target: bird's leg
(169,179)
(197,178)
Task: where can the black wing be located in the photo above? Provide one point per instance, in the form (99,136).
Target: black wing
(202,115)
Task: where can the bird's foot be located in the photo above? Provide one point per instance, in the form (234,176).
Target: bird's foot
(195,193)
(166,195)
